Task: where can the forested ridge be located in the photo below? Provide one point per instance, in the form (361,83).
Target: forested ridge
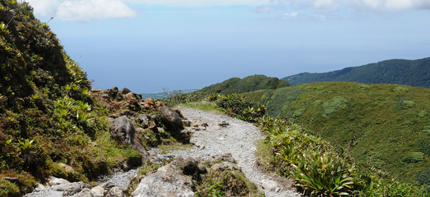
(395,71)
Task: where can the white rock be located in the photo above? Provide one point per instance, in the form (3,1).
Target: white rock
(97,192)
(270,185)
(57,181)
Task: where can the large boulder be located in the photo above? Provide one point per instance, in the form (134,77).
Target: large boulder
(74,188)
(171,118)
(167,181)
(113,92)
(124,91)
(123,131)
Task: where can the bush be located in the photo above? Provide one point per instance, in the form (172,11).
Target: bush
(424,177)
(8,189)
(331,106)
(413,157)
(424,146)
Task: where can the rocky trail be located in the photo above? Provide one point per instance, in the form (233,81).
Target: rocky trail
(221,134)
(214,136)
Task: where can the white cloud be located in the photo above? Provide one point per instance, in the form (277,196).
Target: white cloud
(199,3)
(370,5)
(44,8)
(327,5)
(81,10)
(263,10)
(388,5)
(289,15)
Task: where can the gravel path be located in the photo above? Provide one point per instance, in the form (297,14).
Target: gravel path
(237,138)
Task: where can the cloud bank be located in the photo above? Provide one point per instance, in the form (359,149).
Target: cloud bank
(370,5)
(81,10)
(89,10)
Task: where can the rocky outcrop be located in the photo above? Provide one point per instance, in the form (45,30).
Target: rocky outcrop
(167,181)
(225,166)
(123,131)
(62,187)
(171,118)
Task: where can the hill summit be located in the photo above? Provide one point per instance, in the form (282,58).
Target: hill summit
(395,71)
(247,84)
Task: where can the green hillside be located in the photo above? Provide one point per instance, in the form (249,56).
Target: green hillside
(247,84)
(385,126)
(396,71)
(51,121)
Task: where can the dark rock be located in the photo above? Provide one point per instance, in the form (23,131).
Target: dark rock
(123,131)
(171,118)
(127,113)
(113,92)
(187,123)
(180,113)
(124,91)
(223,123)
(134,105)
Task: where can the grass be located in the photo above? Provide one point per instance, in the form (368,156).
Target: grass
(203,105)
(177,146)
(389,121)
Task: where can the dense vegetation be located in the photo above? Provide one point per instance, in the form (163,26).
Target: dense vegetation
(51,122)
(320,168)
(396,71)
(383,126)
(247,84)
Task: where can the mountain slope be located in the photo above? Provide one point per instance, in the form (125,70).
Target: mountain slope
(247,84)
(50,123)
(385,126)
(396,71)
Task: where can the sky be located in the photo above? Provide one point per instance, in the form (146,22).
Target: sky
(151,45)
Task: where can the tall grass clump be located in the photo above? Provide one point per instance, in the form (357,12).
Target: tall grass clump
(321,169)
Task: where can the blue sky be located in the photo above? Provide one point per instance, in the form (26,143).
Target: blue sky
(148,45)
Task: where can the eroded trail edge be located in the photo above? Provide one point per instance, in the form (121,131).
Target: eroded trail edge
(237,138)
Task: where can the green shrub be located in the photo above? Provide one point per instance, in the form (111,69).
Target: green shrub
(331,106)
(8,189)
(413,157)
(424,146)
(424,177)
